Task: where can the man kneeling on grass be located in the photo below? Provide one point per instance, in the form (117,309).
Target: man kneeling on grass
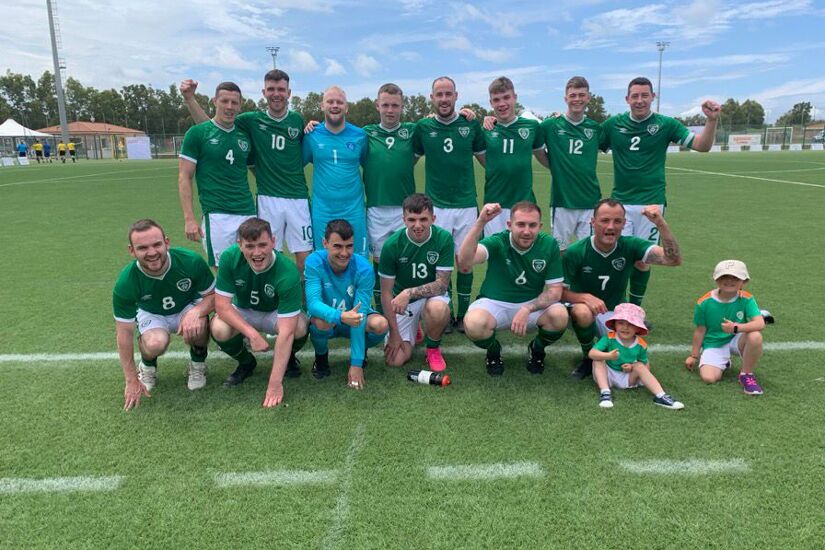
(259,289)
(522,287)
(164,291)
(338,292)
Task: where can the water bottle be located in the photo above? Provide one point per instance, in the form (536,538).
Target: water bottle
(428,377)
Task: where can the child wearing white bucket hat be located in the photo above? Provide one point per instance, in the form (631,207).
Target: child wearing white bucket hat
(728,322)
(620,358)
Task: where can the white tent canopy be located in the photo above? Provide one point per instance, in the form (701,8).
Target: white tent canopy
(11,128)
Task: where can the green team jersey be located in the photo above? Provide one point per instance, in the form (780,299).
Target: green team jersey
(508,171)
(388,167)
(588,270)
(710,312)
(186,280)
(449,177)
(517,276)
(635,353)
(573,151)
(221,158)
(639,153)
(414,264)
(279,164)
(277,288)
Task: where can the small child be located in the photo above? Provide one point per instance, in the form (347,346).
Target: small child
(620,358)
(728,321)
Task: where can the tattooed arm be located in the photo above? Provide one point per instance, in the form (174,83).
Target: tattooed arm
(669,252)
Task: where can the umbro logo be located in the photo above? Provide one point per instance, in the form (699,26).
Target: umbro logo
(145,297)
(214,141)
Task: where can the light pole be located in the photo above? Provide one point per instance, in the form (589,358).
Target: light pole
(273,51)
(661,47)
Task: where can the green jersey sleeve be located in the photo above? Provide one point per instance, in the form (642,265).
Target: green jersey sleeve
(289,291)
(388,262)
(751,308)
(418,143)
(494,245)
(603,344)
(642,354)
(225,282)
(679,133)
(124,306)
(479,144)
(191,147)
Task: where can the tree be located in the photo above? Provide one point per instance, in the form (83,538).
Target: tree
(311,107)
(753,113)
(800,114)
(480,111)
(595,109)
(363,112)
(693,120)
(731,114)
(416,107)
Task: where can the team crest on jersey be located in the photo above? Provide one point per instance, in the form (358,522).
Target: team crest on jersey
(269,290)
(214,141)
(403,133)
(293,132)
(184,284)
(740,315)
(618,264)
(539,265)
(652,129)
(350,146)
(464,131)
(432,257)
(243,144)
(351,291)
(524,133)
(588,133)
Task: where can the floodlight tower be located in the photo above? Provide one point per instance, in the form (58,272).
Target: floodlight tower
(661,47)
(273,51)
(54,30)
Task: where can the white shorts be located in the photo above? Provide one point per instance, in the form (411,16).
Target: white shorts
(457,221)
(571,225)
(720,357)
(290,222)
(503,312)
(382,221)
(220,232)
(497,224)
(170,323)
(264,321)
(620,379)
(408,322)
(639,226)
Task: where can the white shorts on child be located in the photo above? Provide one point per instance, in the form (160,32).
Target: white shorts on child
(720,357)
(620,379)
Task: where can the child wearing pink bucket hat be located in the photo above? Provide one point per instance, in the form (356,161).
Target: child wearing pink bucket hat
(620,358)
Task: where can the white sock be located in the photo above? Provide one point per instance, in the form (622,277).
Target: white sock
(660,394)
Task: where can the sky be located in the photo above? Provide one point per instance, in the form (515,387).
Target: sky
(771,51)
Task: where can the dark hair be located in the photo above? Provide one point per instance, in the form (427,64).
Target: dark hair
(526,206)
(276,74)
(144,225)
(253,228)
(607,202)
(228,86)
(390,88)
(577,82)
(443,78)
(501,85)
(342,227)
(417,203)
(639,81)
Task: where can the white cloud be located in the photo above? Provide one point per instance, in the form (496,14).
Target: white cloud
(493,56)
(456,43)
(768,10)
(365,65)
(334,68)
(300,61)
(722,61)
(227,56)
(413,7)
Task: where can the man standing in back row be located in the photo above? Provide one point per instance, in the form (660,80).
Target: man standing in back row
(449,142)
(639,140)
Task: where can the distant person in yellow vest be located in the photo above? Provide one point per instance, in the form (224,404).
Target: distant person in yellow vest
(38,150)
(121,149)
(72,152)
(61,151)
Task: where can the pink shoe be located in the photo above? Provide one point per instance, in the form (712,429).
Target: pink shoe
(435,360)
(419,335)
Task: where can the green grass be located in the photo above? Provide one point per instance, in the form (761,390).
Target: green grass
(63,244)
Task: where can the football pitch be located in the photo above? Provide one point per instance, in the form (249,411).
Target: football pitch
(518,461)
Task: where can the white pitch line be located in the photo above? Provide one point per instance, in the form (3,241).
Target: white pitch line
(745,177)
(341,512)
(684,467)
(340,353)
(485,471)
(87,176)
(279,477)
(16,485)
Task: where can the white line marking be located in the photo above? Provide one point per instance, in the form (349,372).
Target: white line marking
(340,353)
(14,485)
(87,176)
(745,177)
(280,477)
(684,467)
(341,511)
(485,471)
